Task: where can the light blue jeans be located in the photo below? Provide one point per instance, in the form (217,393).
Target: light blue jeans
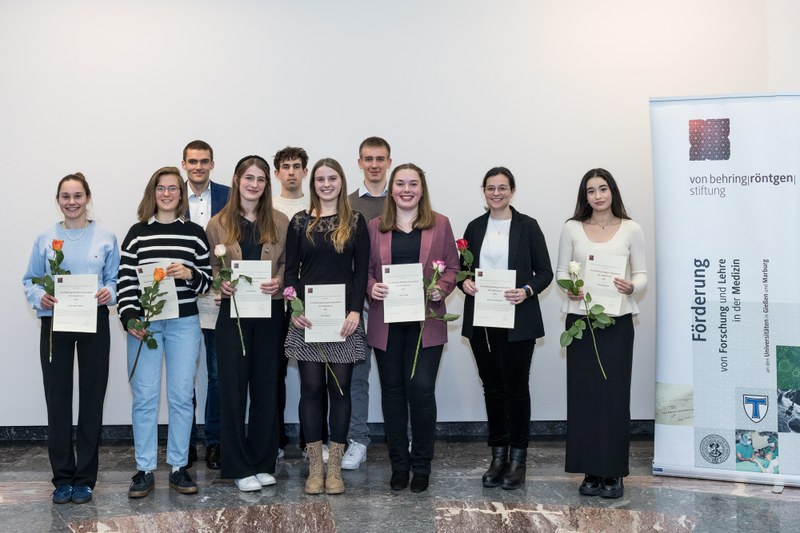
(179,341)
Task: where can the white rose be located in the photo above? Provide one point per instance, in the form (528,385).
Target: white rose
(219,250)
(574,268)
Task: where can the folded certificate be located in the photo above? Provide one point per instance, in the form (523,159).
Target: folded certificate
(325,309)
(76,309)
(599,274)
(167,285)
(405,301)
(491,307)
(252,303)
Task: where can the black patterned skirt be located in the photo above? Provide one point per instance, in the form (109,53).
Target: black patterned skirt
(349,351)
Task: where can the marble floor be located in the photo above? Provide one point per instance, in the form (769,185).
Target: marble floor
(455,501)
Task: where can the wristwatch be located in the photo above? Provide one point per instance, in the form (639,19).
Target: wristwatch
(528,291)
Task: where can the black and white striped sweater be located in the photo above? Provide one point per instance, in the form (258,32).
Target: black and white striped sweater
(181,241)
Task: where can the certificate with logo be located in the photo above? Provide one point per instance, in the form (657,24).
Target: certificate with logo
(405,301)
(167,286)
(252,303)
(598,279)
(325,309)
(491,307)
(76,309)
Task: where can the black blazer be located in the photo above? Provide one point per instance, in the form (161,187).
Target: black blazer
(527,254)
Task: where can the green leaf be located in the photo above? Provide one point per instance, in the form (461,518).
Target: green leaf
(579,283)
(596,310)
(581,324)
(565,283)
(603,319)
(461,276)
(152,343)
(579,335)
(297,307)
(134,323)
(217,283)
(248,279)
(469,258)
(588,298)
(235,282)
(566,339)
(449,317)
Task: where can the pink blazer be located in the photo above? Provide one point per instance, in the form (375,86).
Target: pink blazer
(436,243)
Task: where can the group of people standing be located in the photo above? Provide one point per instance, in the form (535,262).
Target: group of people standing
(326,237)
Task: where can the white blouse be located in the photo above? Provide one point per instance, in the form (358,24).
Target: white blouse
(494,249)
(628,241)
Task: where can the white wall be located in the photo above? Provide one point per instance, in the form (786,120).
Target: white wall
(549,89)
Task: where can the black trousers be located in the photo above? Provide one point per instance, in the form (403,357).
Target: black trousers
(504,368)
(402,397)
(253,448)
(93,352)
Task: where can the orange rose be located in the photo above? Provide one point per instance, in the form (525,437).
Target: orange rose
(158,274)
(57,245)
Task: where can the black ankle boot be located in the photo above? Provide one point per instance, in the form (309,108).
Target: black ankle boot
(515,475)
(494,476)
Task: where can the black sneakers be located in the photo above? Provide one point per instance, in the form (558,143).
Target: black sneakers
(141,484)
(181,481)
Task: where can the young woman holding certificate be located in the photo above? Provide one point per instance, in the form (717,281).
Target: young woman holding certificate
(326,247)
(598,435)
(409,232)
(163,237)
(249,229)
(505,239)
(87,249)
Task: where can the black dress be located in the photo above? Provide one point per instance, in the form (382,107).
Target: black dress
(598,410)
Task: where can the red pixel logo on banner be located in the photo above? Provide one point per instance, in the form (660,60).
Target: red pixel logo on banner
(709,139)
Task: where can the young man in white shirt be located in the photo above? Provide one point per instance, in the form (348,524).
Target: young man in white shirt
(206,199)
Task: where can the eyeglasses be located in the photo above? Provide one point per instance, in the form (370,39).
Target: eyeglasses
(253,180)
(201,162)
(502,189)
(172,189)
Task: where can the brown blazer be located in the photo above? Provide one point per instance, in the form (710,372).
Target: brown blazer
(269,252)
(436,243)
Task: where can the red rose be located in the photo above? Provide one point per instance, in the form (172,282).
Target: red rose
(462,244)
(57,245)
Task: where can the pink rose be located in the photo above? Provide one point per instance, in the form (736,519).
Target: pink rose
(289,293)
(438,266)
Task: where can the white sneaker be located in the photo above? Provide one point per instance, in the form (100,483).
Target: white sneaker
(266,479)
(281,454)
(248,484)
(355,455)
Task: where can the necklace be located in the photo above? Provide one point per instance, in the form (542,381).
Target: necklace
(603,226)
(79,237)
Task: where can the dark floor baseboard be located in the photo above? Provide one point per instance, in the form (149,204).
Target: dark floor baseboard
(453,431)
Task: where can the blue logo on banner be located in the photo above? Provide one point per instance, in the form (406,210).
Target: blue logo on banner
(755,406)
(709,140)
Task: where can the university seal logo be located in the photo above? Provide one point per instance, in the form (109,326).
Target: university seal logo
(715,449)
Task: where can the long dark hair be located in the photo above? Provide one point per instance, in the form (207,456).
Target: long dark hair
(583,211)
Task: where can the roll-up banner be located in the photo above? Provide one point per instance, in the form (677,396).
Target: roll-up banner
(728,300)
